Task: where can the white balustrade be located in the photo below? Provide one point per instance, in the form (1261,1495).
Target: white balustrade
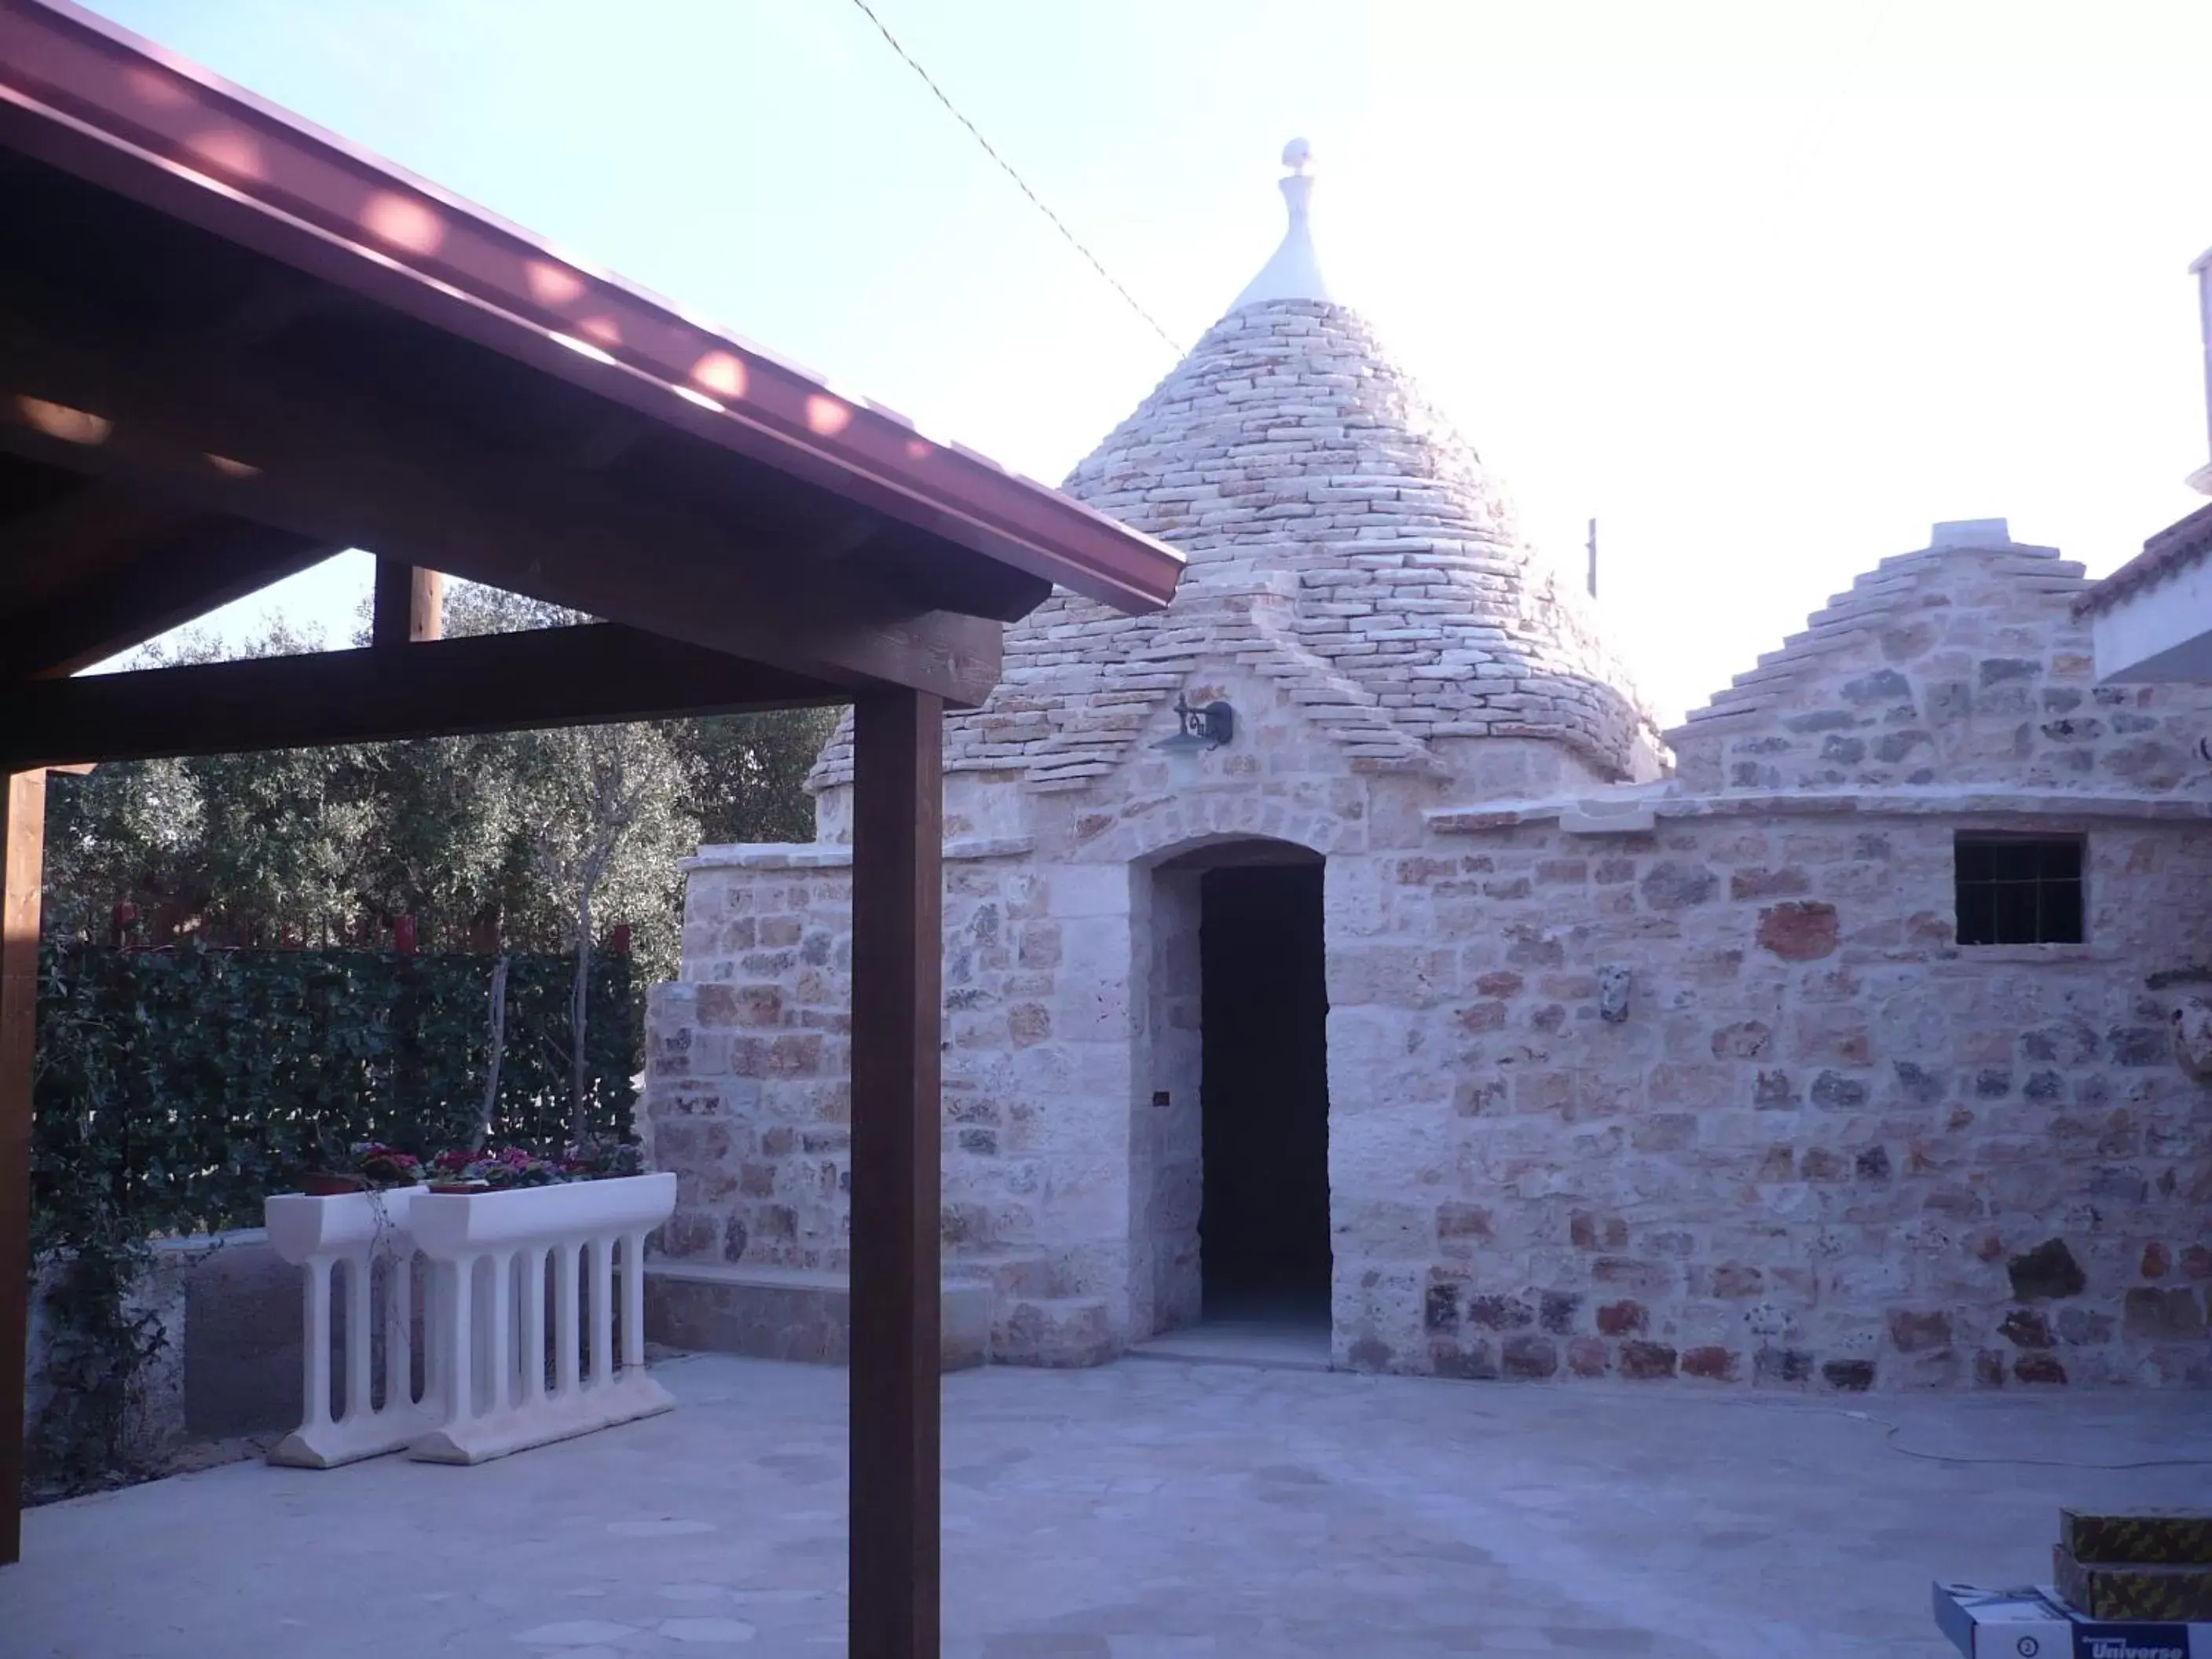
(491,1252)
(355,1232)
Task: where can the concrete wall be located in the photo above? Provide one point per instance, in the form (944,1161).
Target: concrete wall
(229,1365)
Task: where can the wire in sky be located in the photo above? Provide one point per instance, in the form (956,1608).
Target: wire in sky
(1006,167)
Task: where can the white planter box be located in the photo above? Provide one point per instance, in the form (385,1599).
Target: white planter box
(492,1251)
(359,1230)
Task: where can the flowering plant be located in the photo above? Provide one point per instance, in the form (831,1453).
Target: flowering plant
(385,1166)
(518,1166)
(505,1167)
(600,1160)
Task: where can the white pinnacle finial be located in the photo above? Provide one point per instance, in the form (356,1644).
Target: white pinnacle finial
(1294,272)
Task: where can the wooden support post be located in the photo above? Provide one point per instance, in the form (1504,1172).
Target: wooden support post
(410,605)
(22,850)
(898,949)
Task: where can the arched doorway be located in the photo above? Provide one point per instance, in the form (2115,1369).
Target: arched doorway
(1239,1189)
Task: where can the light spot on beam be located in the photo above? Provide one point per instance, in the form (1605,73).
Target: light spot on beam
(403,221)
(826,415)
(231,469)
(74,426)
(721,374)
(551,284)
(232,151)
(157,88)
(692,394)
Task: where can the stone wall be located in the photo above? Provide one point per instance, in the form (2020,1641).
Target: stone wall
(1827,1146)
(1958,667)
(1071,1006)
(1289,453)
(748,1065)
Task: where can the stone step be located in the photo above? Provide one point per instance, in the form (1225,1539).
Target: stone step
(1009,1274)
(785,1313)
(1053,1330)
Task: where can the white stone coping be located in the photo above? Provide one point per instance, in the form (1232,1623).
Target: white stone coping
(1601,816)
(838,855)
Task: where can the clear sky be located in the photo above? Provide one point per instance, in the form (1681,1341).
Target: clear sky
(1766,288)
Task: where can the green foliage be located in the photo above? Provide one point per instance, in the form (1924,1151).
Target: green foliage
(744,775)
(478,838)
(188,1083)
(94,1250)
(179,1086)
(176,1089)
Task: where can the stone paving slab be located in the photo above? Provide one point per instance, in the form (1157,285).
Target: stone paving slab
(1143,1510)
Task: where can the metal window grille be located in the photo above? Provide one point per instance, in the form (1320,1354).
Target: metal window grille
(2020,890)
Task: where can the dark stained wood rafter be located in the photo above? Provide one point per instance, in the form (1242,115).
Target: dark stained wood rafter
(23,848)
(83,533)
(592,674)
(208,560)
(898,955)
(312,455)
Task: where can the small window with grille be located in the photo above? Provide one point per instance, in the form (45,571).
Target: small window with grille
(2020,890)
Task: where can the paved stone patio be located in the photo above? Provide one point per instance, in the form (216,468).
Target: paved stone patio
(1150,1510)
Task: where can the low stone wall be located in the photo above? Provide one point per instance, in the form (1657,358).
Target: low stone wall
(784,1313)
(229,1311)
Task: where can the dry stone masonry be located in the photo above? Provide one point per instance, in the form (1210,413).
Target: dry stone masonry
(1641,1063)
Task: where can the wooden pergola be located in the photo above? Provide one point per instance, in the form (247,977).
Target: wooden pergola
(231,344)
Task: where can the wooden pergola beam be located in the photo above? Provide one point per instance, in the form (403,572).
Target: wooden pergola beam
(315,457)
(408,605)
(898,956)
(211,561)
(37,547)
(593,674)
(22,849)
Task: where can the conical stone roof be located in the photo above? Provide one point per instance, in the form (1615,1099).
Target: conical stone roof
(1342,538)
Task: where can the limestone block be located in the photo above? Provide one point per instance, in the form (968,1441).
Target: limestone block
(1053,1331)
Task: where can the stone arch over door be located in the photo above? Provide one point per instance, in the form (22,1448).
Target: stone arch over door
(1168,1183)
(1153,838)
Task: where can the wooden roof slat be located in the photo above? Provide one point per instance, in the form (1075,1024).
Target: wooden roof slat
(325,463)
(592,674)
(83,532)
(82,95)
(162,585)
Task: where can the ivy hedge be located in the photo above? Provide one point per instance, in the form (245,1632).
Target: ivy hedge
(176,1088)
(190,1083)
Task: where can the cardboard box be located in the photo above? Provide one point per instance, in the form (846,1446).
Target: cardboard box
(2165,1537)
(2132,1590)
(2034,1624)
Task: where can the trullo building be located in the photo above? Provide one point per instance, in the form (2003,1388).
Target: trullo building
(1344,948)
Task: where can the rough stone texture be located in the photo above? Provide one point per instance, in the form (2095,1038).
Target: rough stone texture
(769,1313)
(1687,1079)
(1827,1147)
(1947,667)
(1343,540)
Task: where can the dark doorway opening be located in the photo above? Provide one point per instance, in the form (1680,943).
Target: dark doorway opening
(1263,1227)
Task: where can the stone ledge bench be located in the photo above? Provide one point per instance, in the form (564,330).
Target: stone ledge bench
(786,1313)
